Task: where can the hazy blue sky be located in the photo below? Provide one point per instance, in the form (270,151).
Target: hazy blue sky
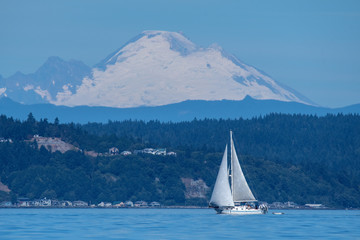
(312,46)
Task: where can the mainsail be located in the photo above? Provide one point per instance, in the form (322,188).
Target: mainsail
(240,189)
(221,196)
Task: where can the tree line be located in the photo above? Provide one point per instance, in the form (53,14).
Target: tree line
(300,158)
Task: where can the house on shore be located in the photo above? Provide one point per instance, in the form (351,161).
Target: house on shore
(129,204)
(154,204)
(113,151)
(79,204)
(118,204)
(140,204)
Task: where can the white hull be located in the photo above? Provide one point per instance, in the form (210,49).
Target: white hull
(240,211)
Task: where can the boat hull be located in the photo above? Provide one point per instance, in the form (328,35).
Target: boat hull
(240,211)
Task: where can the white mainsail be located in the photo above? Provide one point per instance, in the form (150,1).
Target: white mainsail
(240,188)
(221,196)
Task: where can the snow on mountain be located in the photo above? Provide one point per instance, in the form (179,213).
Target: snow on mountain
(159,68)
(153,69)
(54,76)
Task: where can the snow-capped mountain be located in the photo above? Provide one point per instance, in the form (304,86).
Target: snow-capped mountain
(54,76)
(159,68)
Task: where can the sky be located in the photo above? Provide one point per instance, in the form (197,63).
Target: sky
(312,46)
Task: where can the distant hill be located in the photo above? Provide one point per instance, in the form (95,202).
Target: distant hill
(184,111)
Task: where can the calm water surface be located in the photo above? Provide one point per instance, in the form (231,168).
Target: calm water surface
(175,224)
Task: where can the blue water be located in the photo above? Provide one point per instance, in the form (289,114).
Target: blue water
(175,224)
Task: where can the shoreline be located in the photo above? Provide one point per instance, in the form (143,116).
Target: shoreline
(163,207)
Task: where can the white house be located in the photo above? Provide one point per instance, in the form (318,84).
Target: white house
(160,151)
(149,151)
(45,202)
(171,154)
(129,204)
(79,204)
(154,204)
(125,153)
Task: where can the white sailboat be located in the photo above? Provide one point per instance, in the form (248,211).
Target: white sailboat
(234,197)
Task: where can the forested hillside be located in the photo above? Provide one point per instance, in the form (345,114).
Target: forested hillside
(285,138)
(297,158)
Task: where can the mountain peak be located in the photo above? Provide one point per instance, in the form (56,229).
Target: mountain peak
(157,42)
(160,67)
(178,42)
(155,68)
(55,61)
(152,33)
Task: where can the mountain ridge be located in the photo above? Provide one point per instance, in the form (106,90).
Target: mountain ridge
(155,68)
(177,112)
(43,85)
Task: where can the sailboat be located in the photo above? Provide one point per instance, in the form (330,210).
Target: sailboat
(234,196)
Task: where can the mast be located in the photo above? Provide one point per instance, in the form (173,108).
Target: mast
(232,165)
